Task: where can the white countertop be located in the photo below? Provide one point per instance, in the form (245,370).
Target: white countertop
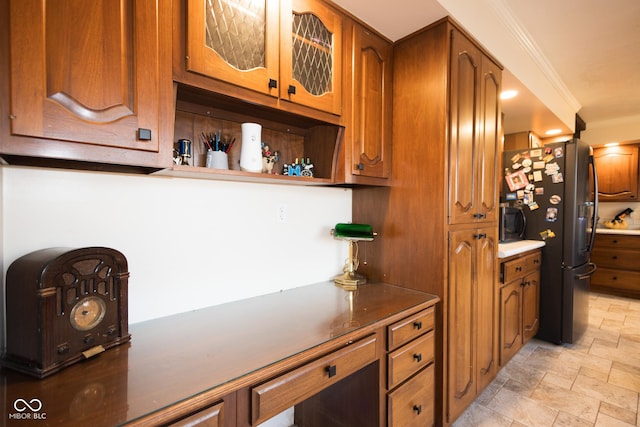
(514,248)
(628,232)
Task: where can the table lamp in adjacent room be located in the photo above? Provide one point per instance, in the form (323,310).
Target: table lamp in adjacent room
(353,233)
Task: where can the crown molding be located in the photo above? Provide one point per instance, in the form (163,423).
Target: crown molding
(521,36)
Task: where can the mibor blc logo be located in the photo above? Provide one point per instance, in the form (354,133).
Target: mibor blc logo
(27,410)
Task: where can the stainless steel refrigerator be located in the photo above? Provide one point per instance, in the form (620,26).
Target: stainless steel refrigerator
(553,186)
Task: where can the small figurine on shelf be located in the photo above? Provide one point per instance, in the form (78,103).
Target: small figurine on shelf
(269,159)
(299,168)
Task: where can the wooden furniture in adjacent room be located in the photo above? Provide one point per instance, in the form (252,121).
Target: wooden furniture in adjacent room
(524,140)
(519,301)
(438,223)
(617,169)
(327,351)
(618,272)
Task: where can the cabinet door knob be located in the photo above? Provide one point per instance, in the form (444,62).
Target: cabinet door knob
(144,134)
(417,325)
(273,83)
(332,370)
(418,357)
(417,409)
(360,166)
(291,90)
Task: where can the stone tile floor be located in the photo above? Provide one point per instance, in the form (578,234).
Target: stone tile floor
(594,382)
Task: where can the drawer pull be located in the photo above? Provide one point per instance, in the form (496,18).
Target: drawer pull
(518,269)
(332,370)
(417,409)
(418,357)
(614,257)
(615,278)
(417,325)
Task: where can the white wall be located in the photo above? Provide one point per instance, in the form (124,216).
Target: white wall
(189,243)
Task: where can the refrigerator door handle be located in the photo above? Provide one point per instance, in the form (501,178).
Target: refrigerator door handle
(594,218)
(592,269)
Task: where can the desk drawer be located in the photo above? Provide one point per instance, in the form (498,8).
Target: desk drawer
(210,417)
(407,329)
(412,404)
(407,360)
(289,389)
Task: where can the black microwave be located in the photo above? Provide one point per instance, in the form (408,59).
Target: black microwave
(512,223)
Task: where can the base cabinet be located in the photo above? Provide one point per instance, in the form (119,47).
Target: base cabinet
(473,357)
(411,371)
(618,272)
(519,302)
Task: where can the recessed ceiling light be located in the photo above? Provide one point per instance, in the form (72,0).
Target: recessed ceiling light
(553,132)
(611,144)
(508,94)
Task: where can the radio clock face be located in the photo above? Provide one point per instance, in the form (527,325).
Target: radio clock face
(87,313)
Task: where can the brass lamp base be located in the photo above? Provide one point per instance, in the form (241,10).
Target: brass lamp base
(350,281)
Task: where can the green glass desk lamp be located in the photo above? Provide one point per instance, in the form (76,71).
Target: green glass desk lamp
(353,233)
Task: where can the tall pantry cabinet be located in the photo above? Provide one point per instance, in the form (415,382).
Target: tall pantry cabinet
(438,222)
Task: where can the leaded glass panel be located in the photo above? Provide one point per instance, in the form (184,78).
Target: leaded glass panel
(235,29)
(312,53)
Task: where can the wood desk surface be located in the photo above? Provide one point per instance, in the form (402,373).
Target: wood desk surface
(225,347)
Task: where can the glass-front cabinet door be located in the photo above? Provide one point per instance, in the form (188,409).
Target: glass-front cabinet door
(311,52)
(235,41)
(290,49)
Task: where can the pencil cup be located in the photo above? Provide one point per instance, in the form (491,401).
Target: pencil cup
(217,160)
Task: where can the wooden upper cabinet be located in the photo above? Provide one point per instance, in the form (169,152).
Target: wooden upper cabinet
(289,49)
(475,131)
(235,42)
(372,104)
(311,54)
(86,71)
(365,155)
(489,140)
(617,169)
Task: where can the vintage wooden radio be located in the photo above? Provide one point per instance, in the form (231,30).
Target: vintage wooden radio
(63,306)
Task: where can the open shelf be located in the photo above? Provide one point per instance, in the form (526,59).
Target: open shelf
(294,137)
(199,172)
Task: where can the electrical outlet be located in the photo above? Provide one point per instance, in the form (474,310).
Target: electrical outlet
(282,213)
